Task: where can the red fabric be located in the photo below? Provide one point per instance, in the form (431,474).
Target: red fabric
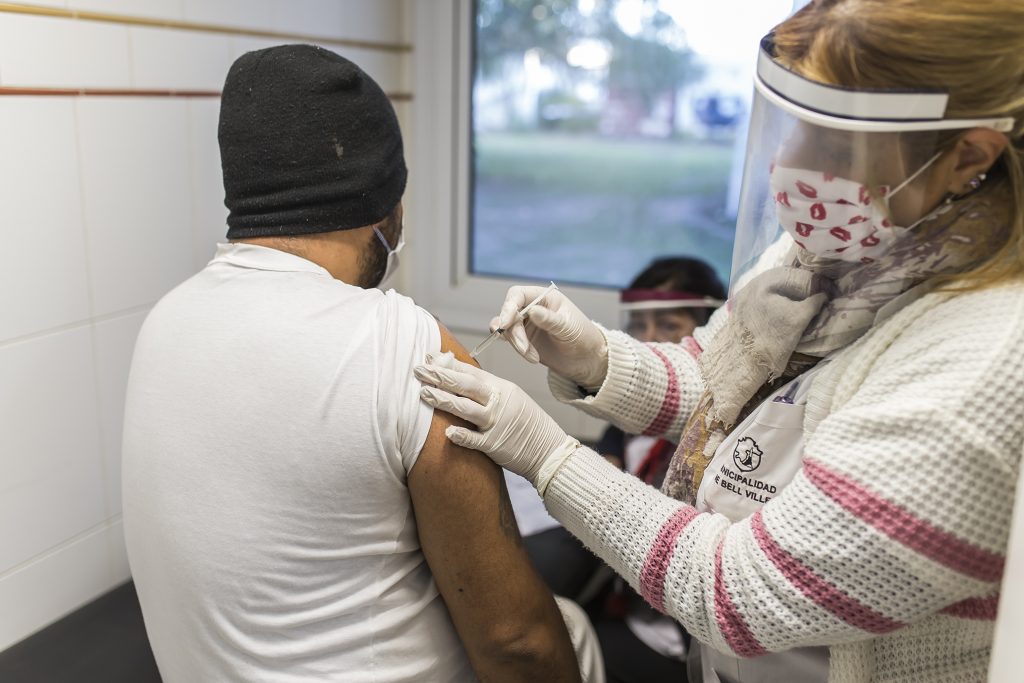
(628,296)
(660,452)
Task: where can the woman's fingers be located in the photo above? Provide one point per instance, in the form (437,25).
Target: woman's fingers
(485,382)
(517,337)
(518,298)
(545,319)
(520,341)
(515,301)
(467,438)
(460,379)
(458,406)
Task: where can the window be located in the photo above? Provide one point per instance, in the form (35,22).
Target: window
(607,132)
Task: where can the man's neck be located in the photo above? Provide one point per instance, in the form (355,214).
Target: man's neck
(336,252)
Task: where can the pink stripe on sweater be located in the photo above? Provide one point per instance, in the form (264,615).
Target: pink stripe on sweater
(692,347)
(730,621)
(670,404)
(822,593)
(982,609)
(902,526)
(652,576)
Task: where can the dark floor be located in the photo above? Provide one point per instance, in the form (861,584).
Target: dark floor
(103,642)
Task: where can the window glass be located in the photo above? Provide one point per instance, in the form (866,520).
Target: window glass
(609,132)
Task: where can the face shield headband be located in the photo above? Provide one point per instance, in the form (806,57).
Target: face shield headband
(858,110)
(654,315)
(657,299)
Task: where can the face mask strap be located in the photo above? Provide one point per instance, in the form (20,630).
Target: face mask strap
(914,175)
(383,240)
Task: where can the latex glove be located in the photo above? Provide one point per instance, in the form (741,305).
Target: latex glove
(512,429)
(555,333)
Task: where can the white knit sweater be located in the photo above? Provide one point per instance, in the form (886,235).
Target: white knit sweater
(888,545)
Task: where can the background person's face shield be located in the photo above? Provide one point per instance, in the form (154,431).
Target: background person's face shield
(837,172)
(654,315)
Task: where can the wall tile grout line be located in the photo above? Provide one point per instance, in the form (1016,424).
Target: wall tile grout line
(76,324)
(63,545)
(101,437)
(127,20)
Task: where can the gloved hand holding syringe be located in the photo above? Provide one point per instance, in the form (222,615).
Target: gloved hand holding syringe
(556,334)
(520,316)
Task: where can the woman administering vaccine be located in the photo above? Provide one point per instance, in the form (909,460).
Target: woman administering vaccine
(851,422)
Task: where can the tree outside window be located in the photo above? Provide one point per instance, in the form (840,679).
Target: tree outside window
(608,132)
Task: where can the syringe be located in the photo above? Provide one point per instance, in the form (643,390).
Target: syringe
(521,315)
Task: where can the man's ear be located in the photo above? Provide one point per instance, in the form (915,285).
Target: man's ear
(975,153)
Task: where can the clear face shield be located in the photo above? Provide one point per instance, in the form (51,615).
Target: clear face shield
(654,315)
(836,173)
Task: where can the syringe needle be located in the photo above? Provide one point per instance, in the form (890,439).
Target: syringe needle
(485,343)
(521,315)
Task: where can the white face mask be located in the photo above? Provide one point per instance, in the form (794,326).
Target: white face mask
(835,217)
(393,261)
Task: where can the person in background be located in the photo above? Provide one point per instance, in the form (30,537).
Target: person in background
(851,424)
(663,303)
(292,511)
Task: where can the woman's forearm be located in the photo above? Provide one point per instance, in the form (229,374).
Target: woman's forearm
(649,388)
(777,580)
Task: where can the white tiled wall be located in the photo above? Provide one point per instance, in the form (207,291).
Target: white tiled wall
(105,204)
(41,218)
(209,215)
(135,190)
(48,52)
(181,60)
(53,479)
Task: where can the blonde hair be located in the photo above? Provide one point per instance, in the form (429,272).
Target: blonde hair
(974,49)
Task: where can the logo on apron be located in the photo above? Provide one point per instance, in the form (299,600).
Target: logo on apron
(747,454)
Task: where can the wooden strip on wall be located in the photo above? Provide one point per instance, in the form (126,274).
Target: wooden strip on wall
(105,92)
(13,8)
(135,92)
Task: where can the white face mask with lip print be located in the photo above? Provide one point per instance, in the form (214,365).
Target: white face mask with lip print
(835,217)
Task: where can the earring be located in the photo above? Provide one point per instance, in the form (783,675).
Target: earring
(972,185)
(975,182)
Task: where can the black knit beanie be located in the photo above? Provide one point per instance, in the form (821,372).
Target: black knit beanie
(308,143)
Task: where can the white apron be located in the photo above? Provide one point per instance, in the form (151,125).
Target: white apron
(750,467)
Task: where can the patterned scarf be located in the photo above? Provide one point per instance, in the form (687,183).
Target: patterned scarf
(784,320)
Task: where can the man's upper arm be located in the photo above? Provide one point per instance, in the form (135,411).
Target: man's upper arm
(469,536)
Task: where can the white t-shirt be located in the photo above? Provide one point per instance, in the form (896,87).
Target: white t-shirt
(271,421)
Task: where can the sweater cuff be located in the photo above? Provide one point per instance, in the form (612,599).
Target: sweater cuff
(578,490)
(613,513)
(617,385)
